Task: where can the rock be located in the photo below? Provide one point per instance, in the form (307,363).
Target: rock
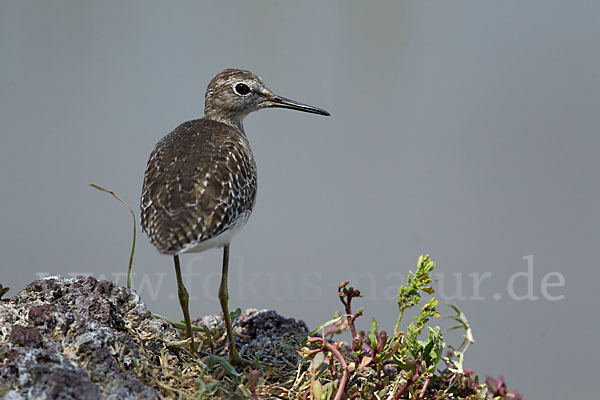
(76,338)
(82,338)
(264,334)
(27,336)
(271,337)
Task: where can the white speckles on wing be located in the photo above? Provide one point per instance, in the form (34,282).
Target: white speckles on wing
(200,182)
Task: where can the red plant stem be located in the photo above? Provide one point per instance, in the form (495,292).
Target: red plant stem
(350,317)
(345,375)
(425,384)
(330,331)
(332,369)
(313,352)
(406,385)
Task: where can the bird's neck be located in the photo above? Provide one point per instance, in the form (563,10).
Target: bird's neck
(236,120)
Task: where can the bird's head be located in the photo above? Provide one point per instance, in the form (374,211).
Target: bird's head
(235,93)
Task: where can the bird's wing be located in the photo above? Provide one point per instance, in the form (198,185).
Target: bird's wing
(200,180)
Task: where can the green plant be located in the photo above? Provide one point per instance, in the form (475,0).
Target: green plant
(410,295)
(376,365)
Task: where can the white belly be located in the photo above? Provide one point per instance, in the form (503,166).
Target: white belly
(218,241)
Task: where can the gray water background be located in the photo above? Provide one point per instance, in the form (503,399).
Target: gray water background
(464,129)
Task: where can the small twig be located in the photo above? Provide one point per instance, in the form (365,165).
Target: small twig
(166,387)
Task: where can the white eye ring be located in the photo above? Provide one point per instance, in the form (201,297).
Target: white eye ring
(242,89)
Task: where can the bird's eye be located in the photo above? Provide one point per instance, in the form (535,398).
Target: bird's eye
(242,89)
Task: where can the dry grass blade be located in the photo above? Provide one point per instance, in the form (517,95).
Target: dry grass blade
(116,196)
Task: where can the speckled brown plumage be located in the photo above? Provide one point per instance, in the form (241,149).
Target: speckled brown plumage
(200,181)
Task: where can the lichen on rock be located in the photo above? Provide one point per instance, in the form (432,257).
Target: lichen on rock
(83,338)
(76,338)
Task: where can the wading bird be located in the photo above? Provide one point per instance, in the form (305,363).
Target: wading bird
(200,181)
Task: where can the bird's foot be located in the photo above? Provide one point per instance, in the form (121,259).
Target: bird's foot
(240,361)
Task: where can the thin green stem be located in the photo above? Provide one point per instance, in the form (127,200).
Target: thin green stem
(132,252)
(397,327)
(179,325)
(116,196)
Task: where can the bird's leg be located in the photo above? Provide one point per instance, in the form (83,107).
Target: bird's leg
(184,301)
(234,357)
